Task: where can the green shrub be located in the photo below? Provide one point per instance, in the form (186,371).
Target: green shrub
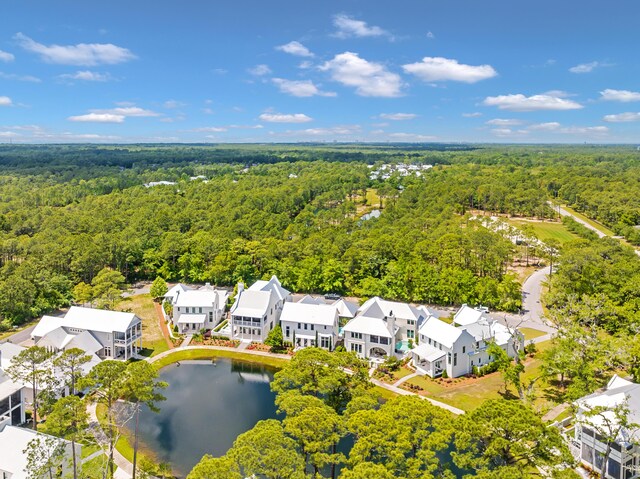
(445,375)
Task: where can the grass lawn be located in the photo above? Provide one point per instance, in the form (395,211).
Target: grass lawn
(123,446)
(467,394)
(599,226)
(184,355)
(546,230)
(530,333)
(94,468)
(152,339)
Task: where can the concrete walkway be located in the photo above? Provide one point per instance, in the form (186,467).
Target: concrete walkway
(186,340)
(406,378)
(404,392)
(218,348)
(121,462)
(93,456)
(244,344)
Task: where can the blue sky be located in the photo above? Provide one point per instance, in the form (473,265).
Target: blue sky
(350,70)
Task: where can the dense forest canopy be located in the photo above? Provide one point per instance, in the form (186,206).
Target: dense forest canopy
(68,211)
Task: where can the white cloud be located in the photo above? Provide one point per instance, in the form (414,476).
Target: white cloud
(520,102)
(305,65)
(98,118)
(369,78)
(6,56)
(348,27)
(127,111)
(588,67)
(548,126)
(5,101)
(504,122)
(434,69)
(336,130)
(295,48)
(173,104)
(430,35)
(398,116)
(622,117)
(474,114)
(300,88)
(86,75)
(585,130)
(285,117)
(619,95)
(260,70)
(13,76)
(87,54)
(211,129)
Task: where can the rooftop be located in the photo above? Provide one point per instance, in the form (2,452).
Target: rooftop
(312,313)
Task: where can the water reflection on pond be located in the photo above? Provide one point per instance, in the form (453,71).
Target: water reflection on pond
(208,405)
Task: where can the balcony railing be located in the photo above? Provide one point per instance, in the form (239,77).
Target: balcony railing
(127,340)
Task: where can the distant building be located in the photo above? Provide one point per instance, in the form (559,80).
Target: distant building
(107,334)
(257,310)
(12,394)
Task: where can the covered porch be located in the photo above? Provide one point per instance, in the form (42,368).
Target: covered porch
(428,360)
(191,323)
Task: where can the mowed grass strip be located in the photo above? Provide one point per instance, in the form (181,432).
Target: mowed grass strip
(144,307)
(546,230)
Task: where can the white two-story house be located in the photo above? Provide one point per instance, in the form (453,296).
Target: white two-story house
(308,323)
(257,309)
(371,334)
(408,318)
(596,418)
(107,334)
(458,349)
(197,309)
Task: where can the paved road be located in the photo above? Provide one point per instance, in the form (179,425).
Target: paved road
(564,212)
(20,336)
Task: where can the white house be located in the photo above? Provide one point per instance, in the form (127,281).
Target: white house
(408,318)
(196,309)
(458,349)
(257,309)
(371,334)
(12,394)
(468,315)
(308,323)
(107,334)
(623,460)
(13,462)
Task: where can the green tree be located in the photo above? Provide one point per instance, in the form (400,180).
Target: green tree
(215,468)
(106,381)
(367,470)
(69,419)
(83,293)
(33,367)
(265,450)
(69,363)
(140,386)
(275,339)
(508,438)
(107,287)
(45,456)
(158,288)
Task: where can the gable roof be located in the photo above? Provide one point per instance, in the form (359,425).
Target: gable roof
(272,285)
(85,341)
(57,338)
(346,309)
(14,440)
(484,330)
(176,290)
(440,331)
(308,299)
(467,315)
(91,319)
(321,314)
(251,303)
(399,310)
(196,298)
(7,353)
(368,325)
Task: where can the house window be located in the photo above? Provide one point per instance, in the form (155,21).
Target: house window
(448,358)
(325,342)
(411,333)
(356,335)
(305,325)
(464,349)
(384,340)
(107,351)
(373,339)
(286,332)
(299,326)
(429,340)
(356,347)
(455,359)
(200,310)
(411,322)
(311,326)
(210,315)
(271,326)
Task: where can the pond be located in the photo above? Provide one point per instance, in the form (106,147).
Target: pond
(208,405)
